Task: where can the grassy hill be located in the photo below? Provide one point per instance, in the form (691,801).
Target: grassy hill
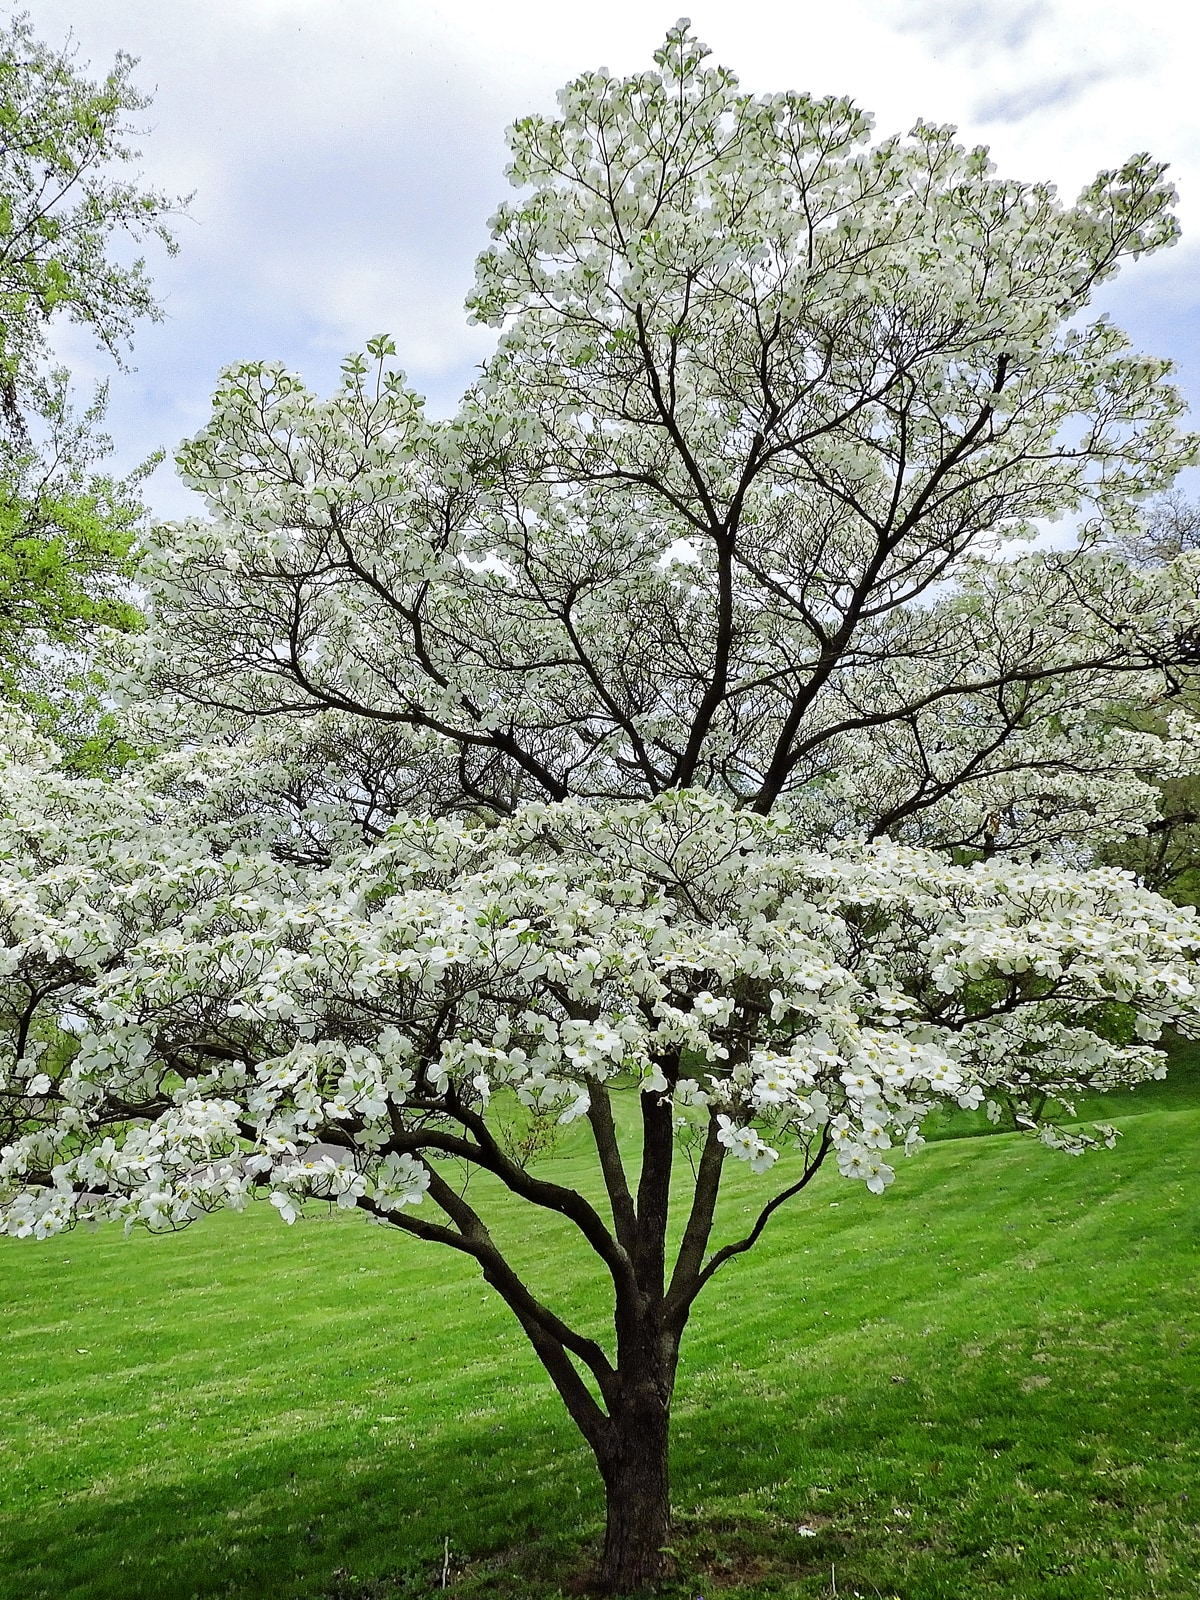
(984,1385)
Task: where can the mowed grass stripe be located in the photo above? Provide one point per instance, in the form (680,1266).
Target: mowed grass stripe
(983,1384)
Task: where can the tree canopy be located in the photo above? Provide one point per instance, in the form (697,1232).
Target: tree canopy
(1167,855)
(66,530)
(783,396)
(680,740)
(65,150)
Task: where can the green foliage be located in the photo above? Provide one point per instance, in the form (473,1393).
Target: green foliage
(975,1391)
(65,532)
(58,557)
(65,565)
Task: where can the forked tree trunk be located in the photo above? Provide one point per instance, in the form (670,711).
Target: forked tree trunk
(632,1447)
(637,1494)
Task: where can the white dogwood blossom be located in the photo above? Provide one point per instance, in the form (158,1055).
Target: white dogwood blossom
(240,1024)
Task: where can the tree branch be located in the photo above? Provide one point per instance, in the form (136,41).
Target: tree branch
(727,1252)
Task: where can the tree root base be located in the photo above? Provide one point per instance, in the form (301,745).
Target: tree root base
(708,1554)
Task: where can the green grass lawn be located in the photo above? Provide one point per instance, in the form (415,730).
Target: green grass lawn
(983,1385)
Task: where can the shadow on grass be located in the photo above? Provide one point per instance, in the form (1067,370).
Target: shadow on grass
(1015,1464)
(281,1521)
(987,1389)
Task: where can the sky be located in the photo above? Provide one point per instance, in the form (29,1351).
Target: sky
(343,156)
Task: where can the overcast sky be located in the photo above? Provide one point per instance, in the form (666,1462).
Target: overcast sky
(345,154)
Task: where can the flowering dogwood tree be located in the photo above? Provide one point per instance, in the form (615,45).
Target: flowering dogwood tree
(672,744)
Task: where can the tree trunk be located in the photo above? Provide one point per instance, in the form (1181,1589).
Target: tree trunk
(637,1494)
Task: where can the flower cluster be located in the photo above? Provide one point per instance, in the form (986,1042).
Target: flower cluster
(185,1026)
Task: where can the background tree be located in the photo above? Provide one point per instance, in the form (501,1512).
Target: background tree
(694,630)
(66,531)
(1167,855)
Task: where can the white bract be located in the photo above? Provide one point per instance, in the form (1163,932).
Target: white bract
(239,1023)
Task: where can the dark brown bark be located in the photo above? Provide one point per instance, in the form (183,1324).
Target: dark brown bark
(634,1466)
(633,1456)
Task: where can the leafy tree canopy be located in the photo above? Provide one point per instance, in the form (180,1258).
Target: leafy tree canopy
(1167,854)
(65,147)
(65,531)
